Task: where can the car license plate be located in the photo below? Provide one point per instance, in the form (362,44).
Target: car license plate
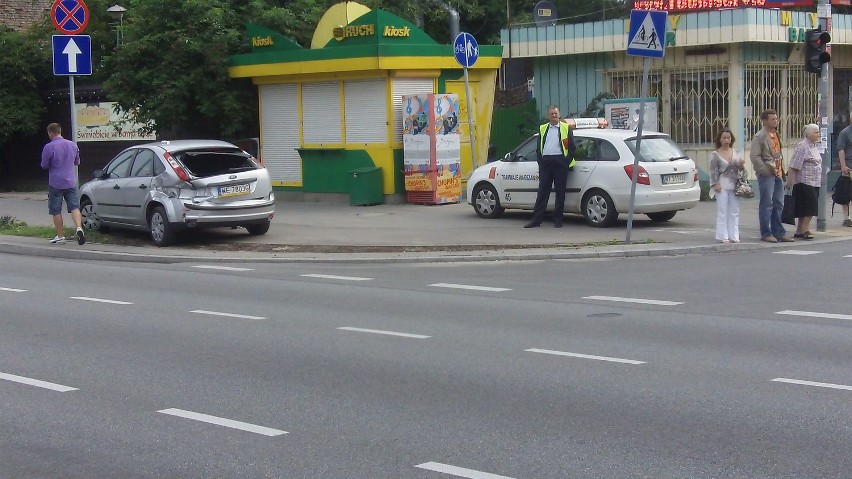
(233,190)
(674,179)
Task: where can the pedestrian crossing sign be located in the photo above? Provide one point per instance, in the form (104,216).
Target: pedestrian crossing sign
(647,35)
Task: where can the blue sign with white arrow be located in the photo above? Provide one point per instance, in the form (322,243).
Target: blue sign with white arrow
(465,49)
(72,55)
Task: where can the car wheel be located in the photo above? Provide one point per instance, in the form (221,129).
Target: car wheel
(258,228)
(662,216)
(485,202)
(162,233)
(598,209)
(90,218)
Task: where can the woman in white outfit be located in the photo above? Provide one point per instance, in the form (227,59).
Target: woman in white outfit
(725,167)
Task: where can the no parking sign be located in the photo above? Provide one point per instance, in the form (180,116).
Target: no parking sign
(70,16)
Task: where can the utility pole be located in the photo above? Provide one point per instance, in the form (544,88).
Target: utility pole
(825,112)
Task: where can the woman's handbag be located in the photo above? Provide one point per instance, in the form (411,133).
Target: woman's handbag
(743,188)
(788,214)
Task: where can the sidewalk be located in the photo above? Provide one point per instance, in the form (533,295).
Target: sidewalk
(327,232)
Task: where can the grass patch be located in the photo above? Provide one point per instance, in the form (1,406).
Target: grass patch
(10,225)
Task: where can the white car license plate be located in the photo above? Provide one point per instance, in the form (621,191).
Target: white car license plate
(674,179)
(233,190)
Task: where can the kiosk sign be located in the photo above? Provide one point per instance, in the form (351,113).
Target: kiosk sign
(69,16)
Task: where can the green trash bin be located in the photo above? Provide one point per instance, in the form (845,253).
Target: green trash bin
(365,186)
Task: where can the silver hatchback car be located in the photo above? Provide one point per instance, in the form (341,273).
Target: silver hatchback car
(169,186)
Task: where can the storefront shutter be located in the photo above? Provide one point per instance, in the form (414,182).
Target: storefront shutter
(366,110)
(321,122)
(407,86)
(279,107)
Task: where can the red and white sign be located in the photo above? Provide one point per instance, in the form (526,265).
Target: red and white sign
(69,16)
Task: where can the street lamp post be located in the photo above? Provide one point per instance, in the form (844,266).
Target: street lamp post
(117,13)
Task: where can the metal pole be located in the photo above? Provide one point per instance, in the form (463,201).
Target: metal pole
(470,112)
(72,101)
(825,113)
(646,68)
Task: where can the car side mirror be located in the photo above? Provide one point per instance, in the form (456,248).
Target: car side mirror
(98,174)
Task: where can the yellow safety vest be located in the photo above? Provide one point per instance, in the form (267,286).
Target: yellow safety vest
(564,129)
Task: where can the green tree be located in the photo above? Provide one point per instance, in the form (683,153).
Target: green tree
(21,106)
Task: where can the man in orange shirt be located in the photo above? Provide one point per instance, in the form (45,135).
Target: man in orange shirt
(768,163)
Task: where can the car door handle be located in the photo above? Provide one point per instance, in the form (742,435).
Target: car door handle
(116,187)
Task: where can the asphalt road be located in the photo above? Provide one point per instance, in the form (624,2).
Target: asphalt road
(715,366)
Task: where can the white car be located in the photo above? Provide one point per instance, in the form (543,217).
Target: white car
(599,185)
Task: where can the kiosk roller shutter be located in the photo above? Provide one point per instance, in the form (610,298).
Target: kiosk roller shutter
(279,107)
(365,108)
(407,86)
(321,122)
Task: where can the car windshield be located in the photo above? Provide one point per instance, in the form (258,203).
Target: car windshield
(211,163)
(657,148)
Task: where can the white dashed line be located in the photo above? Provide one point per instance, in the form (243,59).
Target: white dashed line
(99,300)
(13,290)
(815,315)
(36,383)
(811,383)
(459,471)
(469,286)
(331,276)
(220,421)
(797,252)
(224,268)
(227,315)
(634,300)
(585,356)
(389,333)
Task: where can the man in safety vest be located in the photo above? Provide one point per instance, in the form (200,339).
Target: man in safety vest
(555,159)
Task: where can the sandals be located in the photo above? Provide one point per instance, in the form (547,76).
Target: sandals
(807,235)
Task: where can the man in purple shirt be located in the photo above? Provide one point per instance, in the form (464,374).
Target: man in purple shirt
(59,158)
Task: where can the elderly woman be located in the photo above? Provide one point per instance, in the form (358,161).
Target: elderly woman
(805,176)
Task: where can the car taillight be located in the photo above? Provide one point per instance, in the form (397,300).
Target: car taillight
(642,178)
(176,166)
(695,177)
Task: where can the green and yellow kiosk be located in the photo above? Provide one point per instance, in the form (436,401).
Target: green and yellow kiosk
(337,107)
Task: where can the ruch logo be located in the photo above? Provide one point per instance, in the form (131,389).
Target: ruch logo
(340,32)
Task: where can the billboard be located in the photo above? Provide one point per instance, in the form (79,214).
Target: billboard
(104,121)
(704,5)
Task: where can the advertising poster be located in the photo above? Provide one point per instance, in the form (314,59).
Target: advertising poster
(447,149)
(416,142)
(102,121)
(623,114)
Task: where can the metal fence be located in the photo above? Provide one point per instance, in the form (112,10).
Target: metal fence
(787,89)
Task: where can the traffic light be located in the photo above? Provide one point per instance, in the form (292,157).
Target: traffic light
(815,54)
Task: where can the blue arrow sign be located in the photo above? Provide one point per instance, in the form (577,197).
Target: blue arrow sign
(647,35)
(72,55)
(465,49)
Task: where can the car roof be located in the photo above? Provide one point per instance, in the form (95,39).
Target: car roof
(182,145)
(613,134)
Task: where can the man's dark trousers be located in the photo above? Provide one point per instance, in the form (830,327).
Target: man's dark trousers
(552,170)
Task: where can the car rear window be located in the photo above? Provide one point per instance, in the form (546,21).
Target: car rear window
(211,163)
(657,148)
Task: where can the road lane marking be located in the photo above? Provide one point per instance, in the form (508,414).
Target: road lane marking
(815,315)
(811,383)
(227,315)
(36,383)
(331,276)
(224,268)
(799,252)
(459,471)
(13,290)
(389,333)
(99,300)
(634,300)
(585,356)
(469,286)
(220,421)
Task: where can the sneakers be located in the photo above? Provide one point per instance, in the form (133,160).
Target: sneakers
(81,236)
(847,222)
(58,240)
